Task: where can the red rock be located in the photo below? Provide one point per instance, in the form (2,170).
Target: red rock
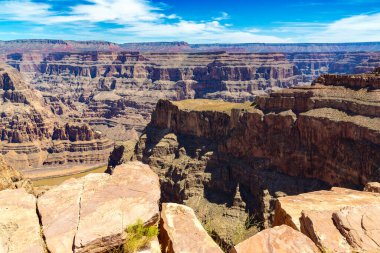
(181,231)
(19,224)
(360,226)
(289,209)
(318,226)
(91,213)
(280,239)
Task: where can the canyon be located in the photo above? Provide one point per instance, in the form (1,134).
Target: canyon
(115,88)
(32,135)
(231,162)
(218,172)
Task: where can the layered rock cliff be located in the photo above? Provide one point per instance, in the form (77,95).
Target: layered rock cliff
(32,135)
(120,89)
(241,157)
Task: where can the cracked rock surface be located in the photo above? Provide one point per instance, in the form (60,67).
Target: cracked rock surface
(361,227)
(90,214)
(339,220)
(19,225)
(181,231)
(280,239)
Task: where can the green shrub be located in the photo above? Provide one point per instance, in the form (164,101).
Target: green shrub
(139,236)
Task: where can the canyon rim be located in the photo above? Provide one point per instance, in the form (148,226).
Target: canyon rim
(261,134)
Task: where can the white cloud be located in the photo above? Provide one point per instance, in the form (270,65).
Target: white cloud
(141,20)
(23,10)
(223,16)
(357,28)
(193,32)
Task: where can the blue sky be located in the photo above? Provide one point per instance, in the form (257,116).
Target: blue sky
(194,21)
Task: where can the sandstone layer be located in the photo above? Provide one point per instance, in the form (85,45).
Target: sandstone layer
(240,158)
(19,224)
(32,135)
(90,214)
(116,91)
(11,178)
(181,231)
(340,220)
(280,239)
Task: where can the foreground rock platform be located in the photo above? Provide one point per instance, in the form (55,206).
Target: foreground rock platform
(340,220)
(280,239)
(19,224)
(181,231)
(90,214)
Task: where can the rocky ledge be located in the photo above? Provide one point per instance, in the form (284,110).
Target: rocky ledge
(340,220)
(102,213)
(236,159)
(89,214)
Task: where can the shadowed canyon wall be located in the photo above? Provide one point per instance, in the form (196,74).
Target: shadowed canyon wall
(290,141)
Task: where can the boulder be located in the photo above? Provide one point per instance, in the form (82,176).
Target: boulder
(313,213)
(280,239)
(372,187)
(288,209)
(360,225)
(59,210)
(318,226)
(181,231)
(19,225)
(90,214)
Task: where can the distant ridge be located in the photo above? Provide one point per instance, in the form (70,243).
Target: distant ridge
(50,45)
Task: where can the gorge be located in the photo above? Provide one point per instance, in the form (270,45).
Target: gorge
(210,148)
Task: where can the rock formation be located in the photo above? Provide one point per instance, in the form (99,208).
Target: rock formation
(116,91)
(282,145)
(90,214)
(372,187)
(11,178)
(340,220)
(275,240)
(19,225)
(181,231)
(31,135)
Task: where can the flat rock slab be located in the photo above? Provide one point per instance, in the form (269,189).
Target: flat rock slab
(280,239)
(181,231)
(312,213)
(288,209)
(90,214)
(19,224)
(360,226)
(319,226)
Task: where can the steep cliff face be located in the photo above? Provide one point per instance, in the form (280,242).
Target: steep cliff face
(290,141)
(121,89)
(31,135)
(126,86)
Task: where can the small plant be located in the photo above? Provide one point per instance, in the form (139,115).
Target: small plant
(139,236)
